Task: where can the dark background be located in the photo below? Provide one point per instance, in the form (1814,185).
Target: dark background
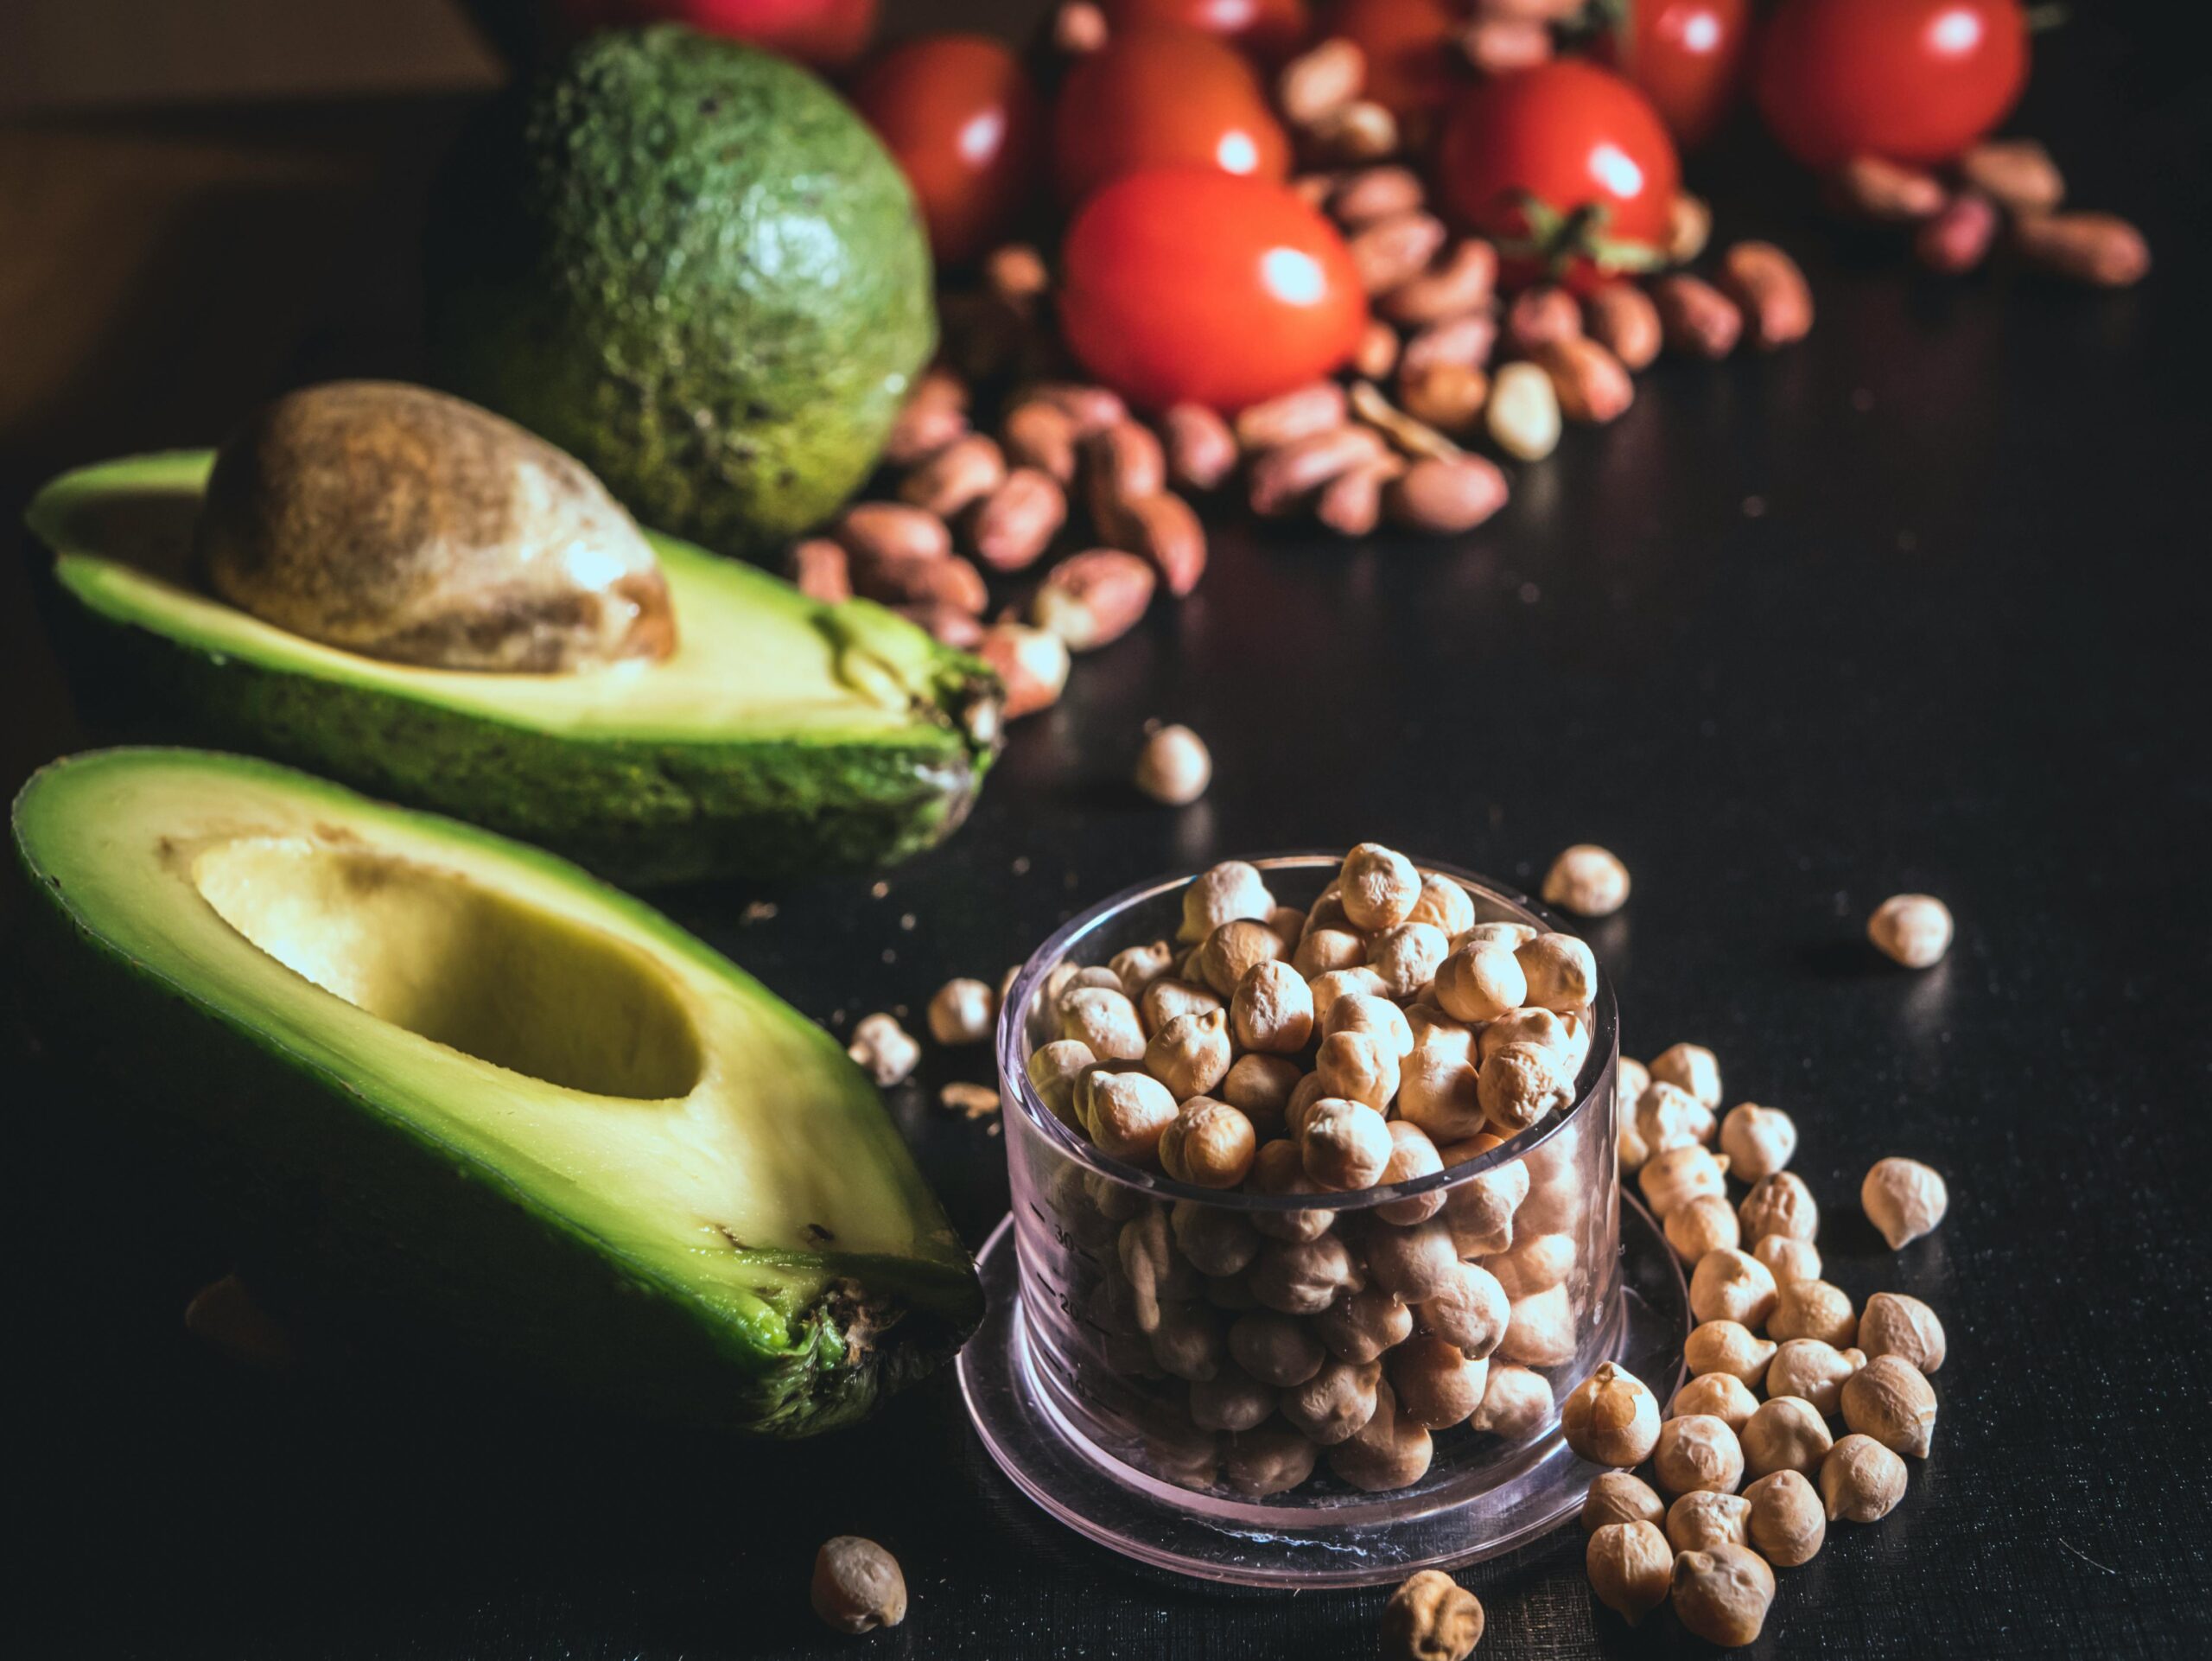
(1918,605)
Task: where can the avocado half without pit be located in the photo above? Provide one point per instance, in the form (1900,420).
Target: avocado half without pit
(406,593)
(438,1073)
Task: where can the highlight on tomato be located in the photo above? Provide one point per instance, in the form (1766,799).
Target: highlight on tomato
(1159,97)
(959,115)
(1687,57)
(1268,30)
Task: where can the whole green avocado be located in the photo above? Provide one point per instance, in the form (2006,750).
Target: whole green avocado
(691,265)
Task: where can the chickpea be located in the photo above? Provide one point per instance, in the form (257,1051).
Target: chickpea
(1210,1144)
(1512,936)
(1105,1020)
(1377,1016)
(1136,967)
(1096,974)
(1862,1480)
(1699,1452)
(1320,949)
(1272,1009)
(1670,1180)
(1127,1113)
(1631,1080)
(1053,1071)
(857,1585)
(1186,1342)
(1630,1150)
(1728,1284)
(1168,998)
(962,1012)
(1217,1241)
(1631,1566)
(1893,1323)
(1436,1089)
(1360,1325)
(1303,1277)
(1807,1367)
(1378,886)
(1271,1460)
(1702,1520)
(1222,894)
(1309,1090)
(1389,1451)
(1566,1034)
(1692,1068)
(1722,1395)
(1814,1310)
(1437,1385)
(1758,1140)
(1443,903)
(1912,929)
(1231,949)
(1413,1156)
(1891,1401)
(1519,1085)
(1279,1169)
(1780,1204)
(1668,1117)
(1703,1226)
(1479,1210)
(1560,972)
(1905,1199)
(1726,1346)
(1414,1263)
(1289,924)
(1156,1275)
(1335,1402)
(1787,1258)
(1406,956)
(1232,1400)
(1472,1312)
(1174,767)
(1431,1618)
(1786,1525)
(1347,1145)
(1516,1403)
(1259,1087)
(1335,983)
(1358,1068)
(1190,1054)
(1610,1417)
(1786,1434)
(1480,981)
(1620,1497)
(1540,1329)
(1533,1263)
(1275,1349)
(1722,1595)
(1586,879)
(1557,1200)
(885,1051)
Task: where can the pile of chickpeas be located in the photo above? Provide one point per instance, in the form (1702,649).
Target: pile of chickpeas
(1380,1037)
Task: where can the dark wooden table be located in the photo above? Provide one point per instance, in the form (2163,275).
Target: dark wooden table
(1920,605)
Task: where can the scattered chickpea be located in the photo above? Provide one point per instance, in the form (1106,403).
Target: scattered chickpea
(1726,1346)
(1380,886)
(857,1585)
(1728,1284)
(1692,1068)
(1913,929)
(1610,1417)
(1701,1520)
(1891,1401)
(1668,1117)
(962,1012)
(1620,1497)
(1722,1595)
(1174,767)
(1905,1199)
(1893,1323)
(1758,1140)
(1787,1258)
(1862,1480)
(1818,1309)
(1670,1180)
(1722,1395)
(1815,1370)
(1780,1204)
(1702,1227)
(1697,1452)
(1788,1525)
(885,1051)
(1631,1566)
(1431,1616)
(1209,1143)
(1786,1434)
(1588,881)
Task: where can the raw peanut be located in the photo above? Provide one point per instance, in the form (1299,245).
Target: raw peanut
(1498,46)
(1201,449)
(1876,189)
(1414,438)
(1377,353)
(1032,663)
(1039,435)
(1958,239)
(1361,131)
(1351,503)
(879,531)
(1699,320)
(1017,274)
(1164,529)
(1689,227)
(1011,528)
(1093,598)
(1441,497)
(1300,413)
(1078,28)
(1461,340)
(948,624)
(1622,318)
(1374,194)
(820,570)
(921,580)
(1392,251)
(1540,314)
(1284,476)
(1461,283)
(1317,84)
(1315,189)
(1121,463)
(2101,249)
(935,414)
(2017,173)
(1087,408)
(1522,414)
(1447,396)
(962,472)
(1591,383)
(1766,282)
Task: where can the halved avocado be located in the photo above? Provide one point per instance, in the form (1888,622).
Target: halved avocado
(455,1078)
(782,736)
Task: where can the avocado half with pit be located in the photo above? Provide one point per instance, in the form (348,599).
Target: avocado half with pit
(782,735)
(442,1074)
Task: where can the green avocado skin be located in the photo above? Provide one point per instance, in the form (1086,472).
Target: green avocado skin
(690,265)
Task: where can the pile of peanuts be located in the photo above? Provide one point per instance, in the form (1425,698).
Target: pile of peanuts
(1767,1323)
(1381,1036)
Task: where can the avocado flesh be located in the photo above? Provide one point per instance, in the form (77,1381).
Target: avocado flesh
(781,736)
(460,1076)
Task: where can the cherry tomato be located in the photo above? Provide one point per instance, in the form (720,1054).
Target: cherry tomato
(1186,284)
(1269,30)
(958,114)
(1159,96)
(1687,56)
(1413,62)
(1913,81)
(1566,167)
(827,32)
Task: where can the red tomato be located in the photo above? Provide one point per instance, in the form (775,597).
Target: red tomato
(1413,60)
(1186,285)
(1566,167)
(958,114)
(827,32)
(1913,81)
(1269,30)
(1687,56)
(1156,97)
